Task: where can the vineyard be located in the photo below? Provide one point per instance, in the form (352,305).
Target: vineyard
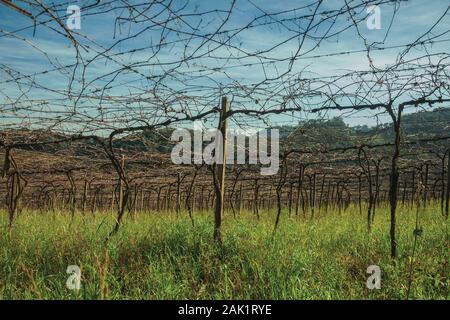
(89,119)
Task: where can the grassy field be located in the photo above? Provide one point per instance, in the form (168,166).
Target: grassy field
(160,256)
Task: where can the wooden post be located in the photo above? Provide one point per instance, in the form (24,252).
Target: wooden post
(178,193)
(202,197)
(359,194)
(425,186)
(135,200)
(447,196)
(93,203)
(13,195)
(168,197)
(112,200)
(291,184)
(405,185)
(221,168)
(299,188)
(413,188)
(85,195)
(328,196)
(142,200)
(193,197)
(122,164)
(240,198)
(158,198)
(313,194)
(256,199)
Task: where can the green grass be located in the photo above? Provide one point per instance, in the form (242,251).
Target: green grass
(160,256)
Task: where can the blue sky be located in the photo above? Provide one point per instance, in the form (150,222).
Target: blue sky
(32,53)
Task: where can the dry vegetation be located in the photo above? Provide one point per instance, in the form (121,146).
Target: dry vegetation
(87,176)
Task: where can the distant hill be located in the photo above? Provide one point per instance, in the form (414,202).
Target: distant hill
(335,133)
(331,133)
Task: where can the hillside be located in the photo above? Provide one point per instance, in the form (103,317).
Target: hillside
(330,133)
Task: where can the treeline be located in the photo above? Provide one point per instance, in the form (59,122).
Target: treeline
(335,133)
(325,133)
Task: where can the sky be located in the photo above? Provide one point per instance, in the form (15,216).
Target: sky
(33,51)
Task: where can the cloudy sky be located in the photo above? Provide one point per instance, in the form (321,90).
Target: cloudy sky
(31,50)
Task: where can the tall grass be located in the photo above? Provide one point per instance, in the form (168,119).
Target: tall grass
(159,256)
